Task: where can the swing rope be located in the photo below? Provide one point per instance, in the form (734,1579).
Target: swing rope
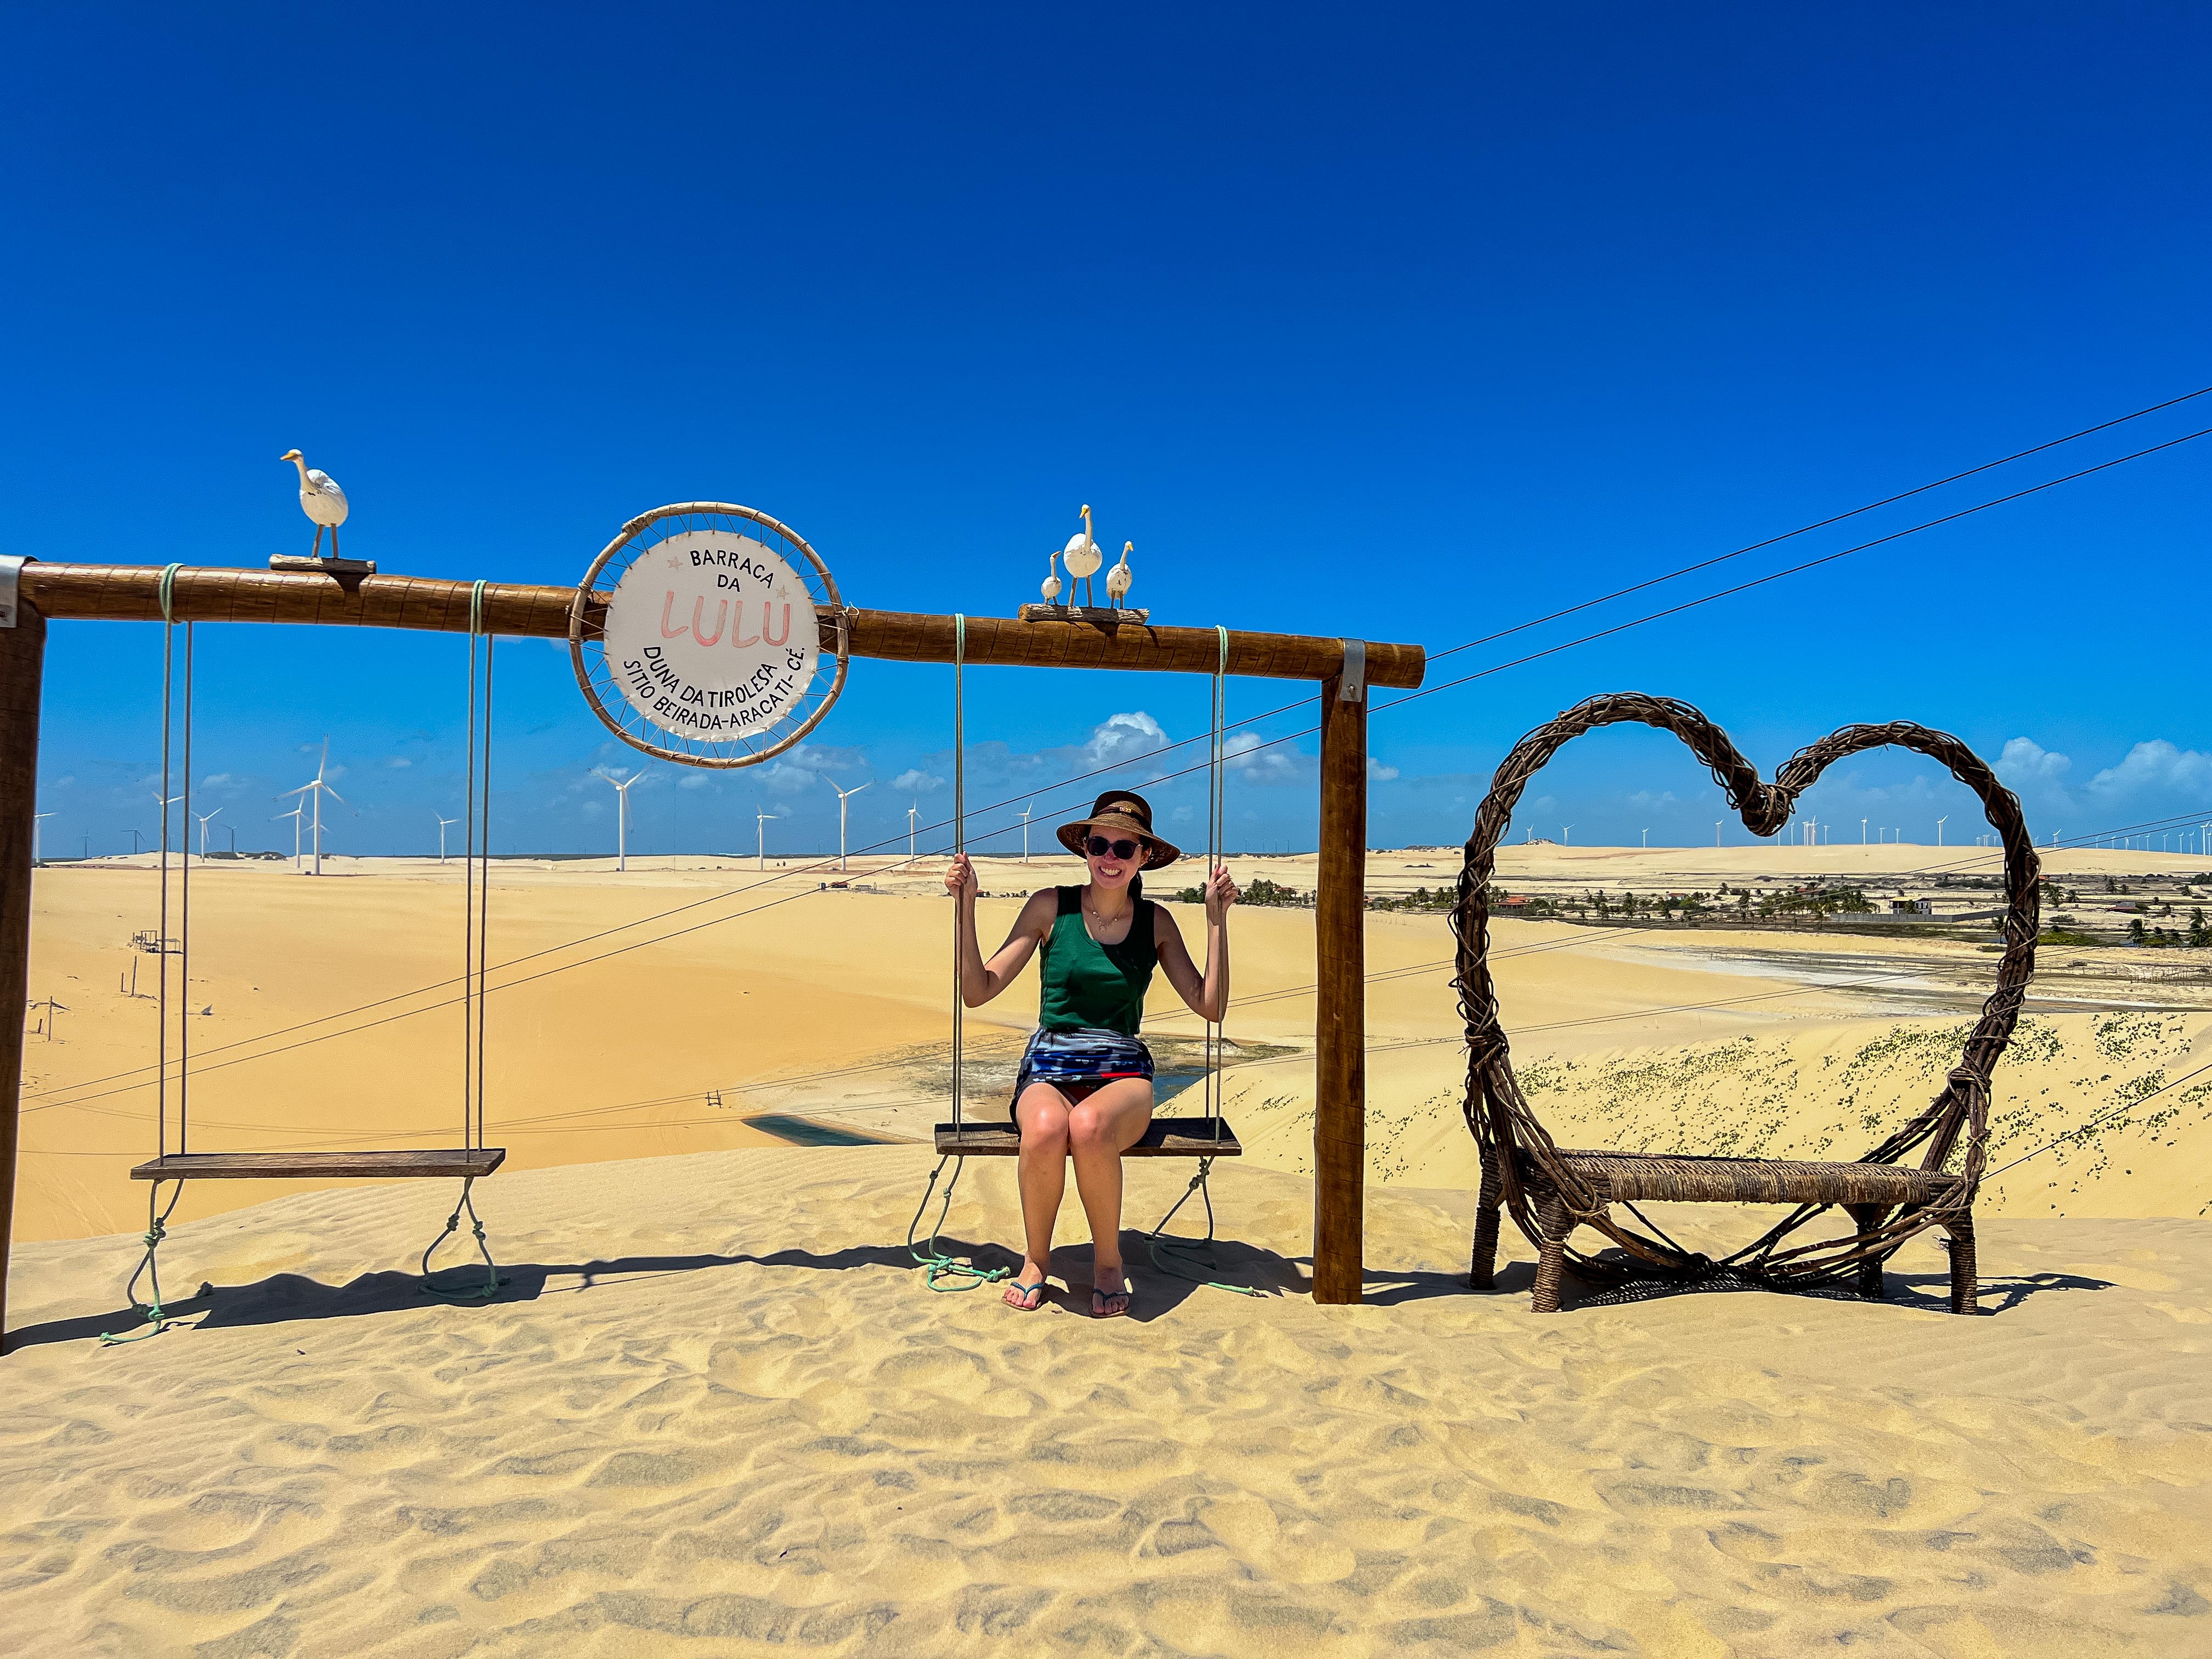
(476,939)
(153,1317)
(1192,1259)
(938,1266)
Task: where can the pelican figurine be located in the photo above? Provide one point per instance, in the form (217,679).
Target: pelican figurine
(1083,558)
(1118,578)
(1050,588)
(321,500)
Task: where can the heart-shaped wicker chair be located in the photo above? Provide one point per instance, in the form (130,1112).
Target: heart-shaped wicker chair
(1553,1191)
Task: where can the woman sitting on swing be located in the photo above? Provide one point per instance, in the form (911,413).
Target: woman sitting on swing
(1085,1089)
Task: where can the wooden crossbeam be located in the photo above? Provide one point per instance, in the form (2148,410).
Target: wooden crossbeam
(125,592)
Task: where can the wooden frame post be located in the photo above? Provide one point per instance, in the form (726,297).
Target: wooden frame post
(1340,950)
(22,662)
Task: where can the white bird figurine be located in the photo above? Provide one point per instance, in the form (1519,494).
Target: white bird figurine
(1050,587)
(1082,557)
(1118,578)
(321,500)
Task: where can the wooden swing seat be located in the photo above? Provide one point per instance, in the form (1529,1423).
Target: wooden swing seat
(467,1163)
(1164,1137)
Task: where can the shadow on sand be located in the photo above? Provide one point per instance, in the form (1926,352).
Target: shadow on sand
(1927,1292)
(286,1298)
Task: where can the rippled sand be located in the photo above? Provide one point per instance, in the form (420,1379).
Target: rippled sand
(716,1412)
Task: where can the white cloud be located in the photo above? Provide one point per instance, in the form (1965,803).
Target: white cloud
(216,780)
(1124,738)
(2026,764)
(1378,772)
(694,778)
(398,762)
(810,766)
(2155,765)
(915,781)
(62,783)
(1257,762)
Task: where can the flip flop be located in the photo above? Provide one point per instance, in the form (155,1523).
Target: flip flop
(1099,1298)
(1025,1291)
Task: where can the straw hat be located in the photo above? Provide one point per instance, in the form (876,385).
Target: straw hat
(1119,812)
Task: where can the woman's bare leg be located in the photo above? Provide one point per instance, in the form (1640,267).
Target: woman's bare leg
(1099,1129)
(1042,1113)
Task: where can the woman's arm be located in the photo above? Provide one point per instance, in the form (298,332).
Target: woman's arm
(1207,996)
(981,980)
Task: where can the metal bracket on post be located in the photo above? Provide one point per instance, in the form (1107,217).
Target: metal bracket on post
(11,575)
(1351,679)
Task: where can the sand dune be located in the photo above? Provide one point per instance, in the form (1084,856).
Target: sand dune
(716,1412)
(699,1005)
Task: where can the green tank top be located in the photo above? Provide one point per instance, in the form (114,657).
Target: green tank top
(1087,984)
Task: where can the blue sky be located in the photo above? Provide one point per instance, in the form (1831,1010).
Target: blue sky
(1406,323)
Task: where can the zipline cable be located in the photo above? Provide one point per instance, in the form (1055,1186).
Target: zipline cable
(1822,524)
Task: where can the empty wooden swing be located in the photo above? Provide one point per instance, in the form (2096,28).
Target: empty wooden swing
(1552,1191)
(468,1161)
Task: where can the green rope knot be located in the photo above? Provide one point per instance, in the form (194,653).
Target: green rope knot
(1172,1255)
(935,1263)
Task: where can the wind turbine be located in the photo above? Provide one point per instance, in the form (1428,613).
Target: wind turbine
(442,823)
(316,788)
(1566,835)
(622,814)
(163,806)
(205,819)
(1940,822)
(1862,832)
(1647,839)
(1026,811)
(1717,830)
(295,816)
(912,813)
(761,821)
(841,795)
(37,818)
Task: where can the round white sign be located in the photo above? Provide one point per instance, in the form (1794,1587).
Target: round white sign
(711,636)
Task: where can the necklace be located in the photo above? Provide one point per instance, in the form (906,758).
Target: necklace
(1100,916)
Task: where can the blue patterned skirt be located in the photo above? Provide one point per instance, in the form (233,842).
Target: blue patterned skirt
(1080,1060)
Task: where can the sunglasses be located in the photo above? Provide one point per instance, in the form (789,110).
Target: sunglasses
(1098,847)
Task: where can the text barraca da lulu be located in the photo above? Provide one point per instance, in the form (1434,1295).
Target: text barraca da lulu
(731,608)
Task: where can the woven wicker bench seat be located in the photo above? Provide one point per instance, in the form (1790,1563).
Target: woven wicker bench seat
(1658,1176)
(1553,1192)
